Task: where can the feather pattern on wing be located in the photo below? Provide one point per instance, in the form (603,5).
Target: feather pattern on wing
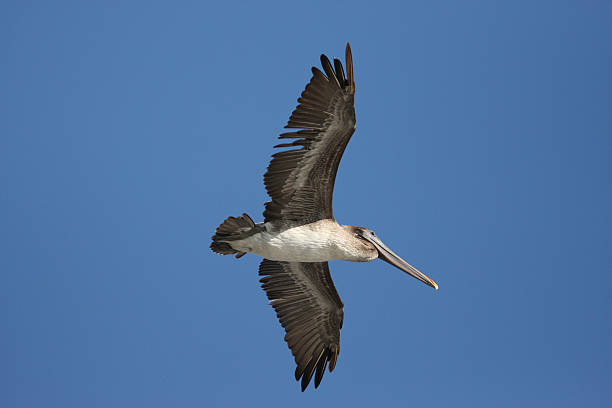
(310,310)
(300,181)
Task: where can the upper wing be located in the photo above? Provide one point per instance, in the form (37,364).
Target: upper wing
(301,181)
(310,310)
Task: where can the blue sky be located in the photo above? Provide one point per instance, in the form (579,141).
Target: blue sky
(130,130)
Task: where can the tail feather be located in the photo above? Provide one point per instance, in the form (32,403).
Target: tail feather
(232,229)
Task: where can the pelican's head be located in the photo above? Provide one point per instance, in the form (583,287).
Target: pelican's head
(372,243)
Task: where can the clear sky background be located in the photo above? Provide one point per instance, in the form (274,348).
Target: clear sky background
(130,130)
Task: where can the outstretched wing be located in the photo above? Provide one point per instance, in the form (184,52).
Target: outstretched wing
(310,310)
(301,181)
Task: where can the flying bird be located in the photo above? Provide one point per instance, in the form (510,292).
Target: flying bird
(299,233)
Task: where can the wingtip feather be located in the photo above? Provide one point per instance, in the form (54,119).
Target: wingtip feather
(329,70)
(333,358)
(321,367)
(349,69)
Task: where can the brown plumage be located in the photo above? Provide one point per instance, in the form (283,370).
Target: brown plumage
(301,181)
(310,310)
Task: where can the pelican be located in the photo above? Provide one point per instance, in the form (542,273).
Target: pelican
(299,233)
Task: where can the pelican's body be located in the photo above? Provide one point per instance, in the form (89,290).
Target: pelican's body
(299,233)
(319,241)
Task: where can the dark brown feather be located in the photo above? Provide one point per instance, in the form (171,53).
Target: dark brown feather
(339,72)
(309,308)
(321,367)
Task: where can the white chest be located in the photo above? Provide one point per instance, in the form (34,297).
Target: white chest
(306,243)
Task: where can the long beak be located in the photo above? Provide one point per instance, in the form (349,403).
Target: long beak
(391,257)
